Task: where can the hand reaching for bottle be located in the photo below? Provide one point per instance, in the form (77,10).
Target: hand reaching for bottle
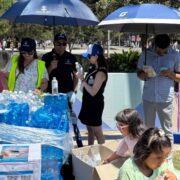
(169,175)
(54,64)
(80,76)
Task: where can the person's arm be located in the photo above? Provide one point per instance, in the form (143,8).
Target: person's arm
(110,158)
(169,175)
(140,72)
(44,84)
(172,75)
(99,79)
(142,75)
(4,80)
(4,73)
(45,79)
(43,87)
(75,82)
(53,65)
(51,62)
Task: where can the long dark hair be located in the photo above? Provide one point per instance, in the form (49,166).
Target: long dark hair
(152,140)
(101,61)
(132,118)
(21,61)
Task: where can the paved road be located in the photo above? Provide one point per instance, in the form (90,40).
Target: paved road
(77,50)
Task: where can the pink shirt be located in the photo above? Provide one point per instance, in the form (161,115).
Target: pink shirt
(126,146)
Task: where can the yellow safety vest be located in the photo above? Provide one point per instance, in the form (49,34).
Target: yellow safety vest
(12,73)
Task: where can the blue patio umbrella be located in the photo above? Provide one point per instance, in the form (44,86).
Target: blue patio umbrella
(51,12)
(143,18)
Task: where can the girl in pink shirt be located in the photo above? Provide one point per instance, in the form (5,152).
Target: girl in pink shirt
(131,126)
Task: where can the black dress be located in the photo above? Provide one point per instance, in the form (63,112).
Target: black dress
(92,106)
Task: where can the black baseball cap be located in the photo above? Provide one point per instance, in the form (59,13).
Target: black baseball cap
(60,36)
(28,45)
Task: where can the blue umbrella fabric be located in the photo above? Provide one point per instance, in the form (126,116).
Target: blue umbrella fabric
(51,12)
(151,18)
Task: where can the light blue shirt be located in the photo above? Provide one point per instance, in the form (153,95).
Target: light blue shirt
(159,88)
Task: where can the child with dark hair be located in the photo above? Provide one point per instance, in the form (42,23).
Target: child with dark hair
(130,125)
(149,160)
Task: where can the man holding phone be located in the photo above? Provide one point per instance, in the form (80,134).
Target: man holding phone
(158,92)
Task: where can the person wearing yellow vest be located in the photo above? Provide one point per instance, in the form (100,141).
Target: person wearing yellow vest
(25,71)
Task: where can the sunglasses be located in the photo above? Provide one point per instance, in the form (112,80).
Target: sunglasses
(27,53)
(60,44)
(120,126)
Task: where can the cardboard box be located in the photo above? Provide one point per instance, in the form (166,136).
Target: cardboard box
(84,171)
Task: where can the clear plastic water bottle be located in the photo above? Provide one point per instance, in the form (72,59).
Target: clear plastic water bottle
(64,123)
(79,69)
(54,85)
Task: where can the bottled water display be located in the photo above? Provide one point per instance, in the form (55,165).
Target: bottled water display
(30,110)
(29,118)
(16,107)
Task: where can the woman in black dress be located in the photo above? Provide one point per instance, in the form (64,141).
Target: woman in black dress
(93,88)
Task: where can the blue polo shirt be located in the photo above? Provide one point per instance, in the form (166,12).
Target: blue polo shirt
(160,89)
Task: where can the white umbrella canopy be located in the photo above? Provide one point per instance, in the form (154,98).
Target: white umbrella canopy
(144,18)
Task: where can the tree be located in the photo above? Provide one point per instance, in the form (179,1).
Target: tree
(101,9)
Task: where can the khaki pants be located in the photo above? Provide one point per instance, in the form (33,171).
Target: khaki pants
(164,112)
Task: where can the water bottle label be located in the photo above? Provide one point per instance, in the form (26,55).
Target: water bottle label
(54,86)
(91,80)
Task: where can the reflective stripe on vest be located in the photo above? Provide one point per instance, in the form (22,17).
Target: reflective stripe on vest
(12,73)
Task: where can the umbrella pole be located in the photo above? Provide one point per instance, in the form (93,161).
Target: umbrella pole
(178,115)
(53,25)
(146,44)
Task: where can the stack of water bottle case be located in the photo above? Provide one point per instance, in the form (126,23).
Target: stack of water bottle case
(34,135)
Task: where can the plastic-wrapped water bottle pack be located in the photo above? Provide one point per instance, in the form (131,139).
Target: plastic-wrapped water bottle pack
(31,110)
(52,160)
(53,115)
(33,119)
(29,118)
(15,107)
